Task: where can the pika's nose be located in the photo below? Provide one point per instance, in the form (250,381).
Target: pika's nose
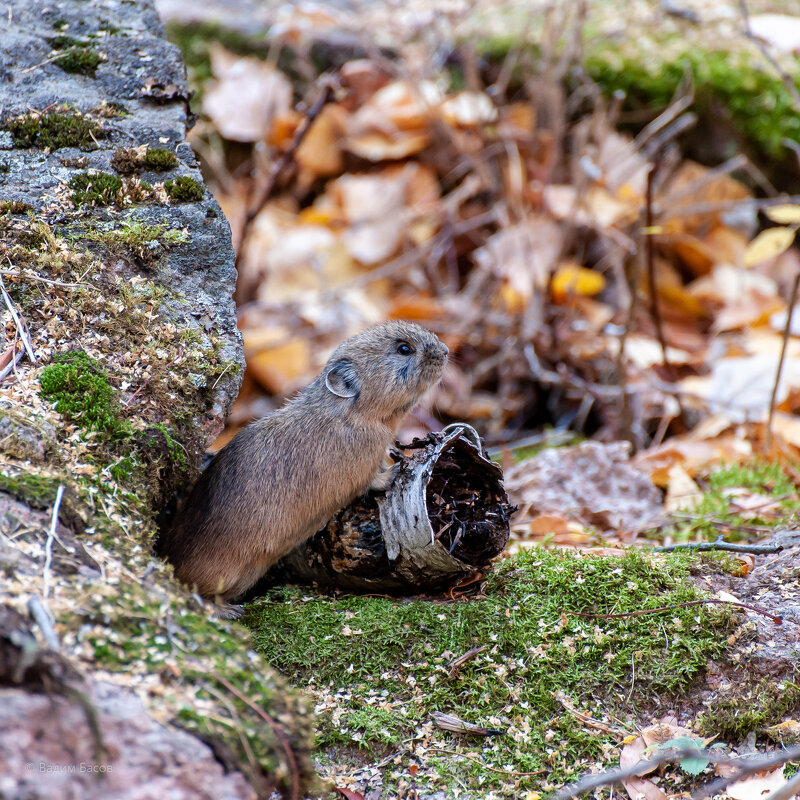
(437,348)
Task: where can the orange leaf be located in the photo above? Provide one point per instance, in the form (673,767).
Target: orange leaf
(279,369)
(320,152)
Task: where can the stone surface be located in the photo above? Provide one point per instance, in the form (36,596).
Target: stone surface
(47,751)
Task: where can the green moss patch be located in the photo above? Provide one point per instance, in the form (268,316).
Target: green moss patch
(756,707)
(14,207)
(54,130)
(159,159)
(82,393)
(95,188)
(36,490)
(206,657)
(757,102)
(63,42)
(111,110)
(717,513)
(80,61)
(184,189)
(379,667)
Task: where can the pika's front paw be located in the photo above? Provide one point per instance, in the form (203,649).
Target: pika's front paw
(383,478)
(228,610)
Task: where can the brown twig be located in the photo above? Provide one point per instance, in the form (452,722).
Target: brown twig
(457,663)
(742,767)
(731,547)
(412,256)
(236,723)
(650,259)
(784,344)
(327,87)
(266,191)
(642,612)
(612,776)
(48,61)
(626,412)
(747,767)
(27,276)
(588,720)
(276,729)
(729,205)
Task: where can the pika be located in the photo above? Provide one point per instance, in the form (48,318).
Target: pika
(284,476)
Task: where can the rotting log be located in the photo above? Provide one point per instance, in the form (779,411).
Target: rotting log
(440,523)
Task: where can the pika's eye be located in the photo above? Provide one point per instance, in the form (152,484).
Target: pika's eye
(404,349)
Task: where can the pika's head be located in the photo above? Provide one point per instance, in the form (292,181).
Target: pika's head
(383,371)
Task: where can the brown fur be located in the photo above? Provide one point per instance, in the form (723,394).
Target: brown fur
(283,477)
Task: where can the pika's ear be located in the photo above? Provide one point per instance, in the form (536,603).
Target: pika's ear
(342,380)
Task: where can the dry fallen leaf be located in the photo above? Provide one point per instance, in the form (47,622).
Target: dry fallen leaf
(757,787)
(349,794)
(780,31)
(468,109)
(638,788)
(786,732)
(246,96)
(683,494)
(374,207)
(320,152)
(768,244)
(784,214)
(522,255)
(280,369)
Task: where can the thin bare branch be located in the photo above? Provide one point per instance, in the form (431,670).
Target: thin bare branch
(782,73)
(650,258)
(48,547)
(20,325)
(784,344)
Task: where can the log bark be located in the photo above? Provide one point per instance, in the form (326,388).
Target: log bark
(441,522)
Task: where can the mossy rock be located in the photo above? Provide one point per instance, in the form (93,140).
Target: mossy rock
(54,130)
